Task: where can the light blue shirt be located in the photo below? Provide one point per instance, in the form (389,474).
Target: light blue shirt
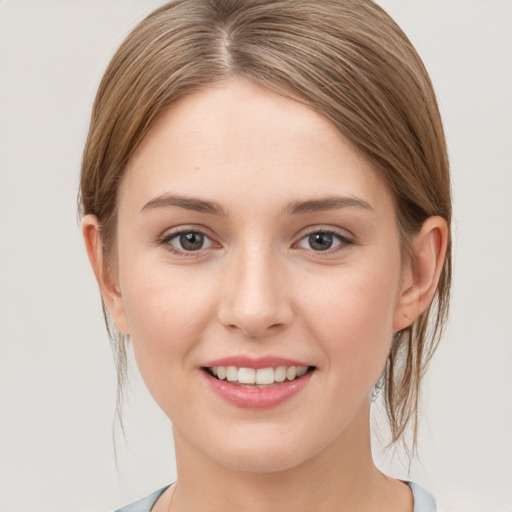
(423,501)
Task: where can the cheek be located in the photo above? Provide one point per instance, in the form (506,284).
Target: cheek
(167,313)
(351,315)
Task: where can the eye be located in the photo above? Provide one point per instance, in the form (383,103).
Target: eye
(323,241)
(187,241)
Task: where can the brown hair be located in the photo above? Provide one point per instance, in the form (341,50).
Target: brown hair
(346,59)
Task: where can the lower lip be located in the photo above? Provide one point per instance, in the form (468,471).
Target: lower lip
(257,398)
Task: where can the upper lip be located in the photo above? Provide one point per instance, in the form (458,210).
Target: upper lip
(256,363)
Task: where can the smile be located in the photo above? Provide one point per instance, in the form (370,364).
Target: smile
(256,383)
(257,377)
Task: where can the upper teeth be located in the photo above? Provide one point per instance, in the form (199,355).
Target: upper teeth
(260,376)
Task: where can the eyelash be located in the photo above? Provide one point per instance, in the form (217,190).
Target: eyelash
(166,241)
(343,241)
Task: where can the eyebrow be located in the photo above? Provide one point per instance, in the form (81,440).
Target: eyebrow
(326,204)
(295,207)
(188,203)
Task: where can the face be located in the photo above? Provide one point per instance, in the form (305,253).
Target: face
(256,245)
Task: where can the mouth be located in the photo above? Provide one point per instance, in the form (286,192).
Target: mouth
(258,378)
(262,387)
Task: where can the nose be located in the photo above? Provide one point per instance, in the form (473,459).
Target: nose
(255,295)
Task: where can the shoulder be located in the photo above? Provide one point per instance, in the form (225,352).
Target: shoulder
(423,500)
(144,504)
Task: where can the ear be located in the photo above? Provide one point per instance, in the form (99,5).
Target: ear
(109,287)
(421,275)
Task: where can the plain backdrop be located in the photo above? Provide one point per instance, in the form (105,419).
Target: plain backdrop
(57,380)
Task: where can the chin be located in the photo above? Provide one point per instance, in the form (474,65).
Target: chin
(256,459)
(265,449)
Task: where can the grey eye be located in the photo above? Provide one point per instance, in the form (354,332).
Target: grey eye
(322,241)
(187,241)
(191,241)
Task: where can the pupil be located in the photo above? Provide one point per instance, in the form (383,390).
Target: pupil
(191,241)
(320,241)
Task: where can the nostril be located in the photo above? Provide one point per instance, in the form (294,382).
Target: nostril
(255,303)
(255,329)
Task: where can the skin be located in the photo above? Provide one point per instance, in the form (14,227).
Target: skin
(258,287)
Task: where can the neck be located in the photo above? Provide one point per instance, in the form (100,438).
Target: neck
(341,477)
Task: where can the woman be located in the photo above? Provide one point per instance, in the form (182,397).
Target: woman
(266,207)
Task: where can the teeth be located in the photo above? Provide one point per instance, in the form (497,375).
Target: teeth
(265,376)
(301,370)
(280,374)
(246,375)
(261,377)
(291,373)
(231,373)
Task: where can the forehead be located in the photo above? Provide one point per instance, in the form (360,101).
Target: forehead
(240,142)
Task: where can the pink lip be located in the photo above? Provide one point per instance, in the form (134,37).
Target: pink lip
(256,363)
(252,397)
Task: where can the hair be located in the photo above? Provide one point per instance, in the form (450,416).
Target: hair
(345,59)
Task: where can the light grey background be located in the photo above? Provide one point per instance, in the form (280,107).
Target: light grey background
(57,382)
